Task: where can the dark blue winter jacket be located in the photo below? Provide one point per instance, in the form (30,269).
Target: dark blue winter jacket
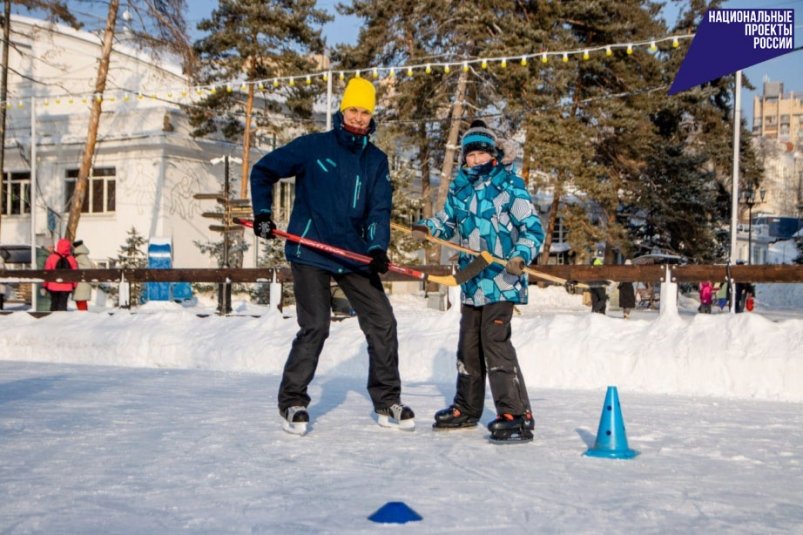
(342,194)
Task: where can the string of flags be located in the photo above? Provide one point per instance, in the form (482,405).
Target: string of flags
(199,92)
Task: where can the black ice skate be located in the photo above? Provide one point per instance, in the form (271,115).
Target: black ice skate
(510,428)
(528,418)
(453,418)
(396,416)
(295,420)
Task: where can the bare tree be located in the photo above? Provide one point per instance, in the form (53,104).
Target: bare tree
(162,26)
(94,123)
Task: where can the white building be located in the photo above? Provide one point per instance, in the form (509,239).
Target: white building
(147,166)
(778,136)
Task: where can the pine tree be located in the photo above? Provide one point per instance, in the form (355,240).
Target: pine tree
(604,128)
(406,205)
(429,108)
(585,117)
(131,256)
(254,40)
(601,128)
(692,141)
(237,247)
(216,249)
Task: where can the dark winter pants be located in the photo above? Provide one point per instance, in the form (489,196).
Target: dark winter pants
(485,347)
(598,299)
(58,300)
(313,309)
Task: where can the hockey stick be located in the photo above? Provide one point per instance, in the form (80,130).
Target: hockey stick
(494,259)
(465,274)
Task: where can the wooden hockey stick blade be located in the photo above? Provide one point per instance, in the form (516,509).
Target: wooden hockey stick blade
(482,261)
(445,280)
(474,268)
(494,259)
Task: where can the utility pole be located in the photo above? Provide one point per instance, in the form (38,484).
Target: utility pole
(3,97)
(737,126)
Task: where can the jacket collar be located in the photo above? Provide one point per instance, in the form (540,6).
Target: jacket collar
(352,142)
(497,178)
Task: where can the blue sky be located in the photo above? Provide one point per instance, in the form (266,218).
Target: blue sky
(341,30)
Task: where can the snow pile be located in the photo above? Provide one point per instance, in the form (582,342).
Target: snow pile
(560,345)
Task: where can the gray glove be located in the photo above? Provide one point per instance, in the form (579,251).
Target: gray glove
(515,266)
(420,232)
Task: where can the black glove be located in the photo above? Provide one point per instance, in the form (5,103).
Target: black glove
(420,232)
(264,225)
(379,261)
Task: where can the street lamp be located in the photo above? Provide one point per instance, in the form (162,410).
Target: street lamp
(749,198)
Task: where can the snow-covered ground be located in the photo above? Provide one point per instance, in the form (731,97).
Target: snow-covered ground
(161,420)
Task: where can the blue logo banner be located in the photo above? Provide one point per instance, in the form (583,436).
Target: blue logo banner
(732,39)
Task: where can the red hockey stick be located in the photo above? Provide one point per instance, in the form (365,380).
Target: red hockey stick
(470,271)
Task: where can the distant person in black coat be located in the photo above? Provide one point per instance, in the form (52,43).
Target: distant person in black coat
(4,255)
(598,294)
(744,291)
(627,295)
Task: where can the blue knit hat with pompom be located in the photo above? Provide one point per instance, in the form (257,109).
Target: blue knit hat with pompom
(479,137)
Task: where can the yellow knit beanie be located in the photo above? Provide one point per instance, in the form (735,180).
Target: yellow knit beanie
(360,93)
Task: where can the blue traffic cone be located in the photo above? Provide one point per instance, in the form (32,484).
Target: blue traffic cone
(611,440)
(394,513)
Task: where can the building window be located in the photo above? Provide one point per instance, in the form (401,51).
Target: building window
(17,193)
(101,193)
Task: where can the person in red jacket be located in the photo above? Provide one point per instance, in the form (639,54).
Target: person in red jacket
(61,258)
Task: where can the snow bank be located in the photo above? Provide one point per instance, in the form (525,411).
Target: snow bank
(560,345)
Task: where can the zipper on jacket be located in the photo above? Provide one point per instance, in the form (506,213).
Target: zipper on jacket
(303,234)
(356,192)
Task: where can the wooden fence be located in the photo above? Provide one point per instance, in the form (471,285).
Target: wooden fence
(783,273)
(648,274)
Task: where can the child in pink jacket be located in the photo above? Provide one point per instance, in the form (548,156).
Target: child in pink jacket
(706,296)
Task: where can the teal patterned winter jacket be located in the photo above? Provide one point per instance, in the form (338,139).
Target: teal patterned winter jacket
(491,213)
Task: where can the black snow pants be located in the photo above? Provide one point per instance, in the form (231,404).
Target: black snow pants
(485,348)
(59,300)
(599,297)
(313,310)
